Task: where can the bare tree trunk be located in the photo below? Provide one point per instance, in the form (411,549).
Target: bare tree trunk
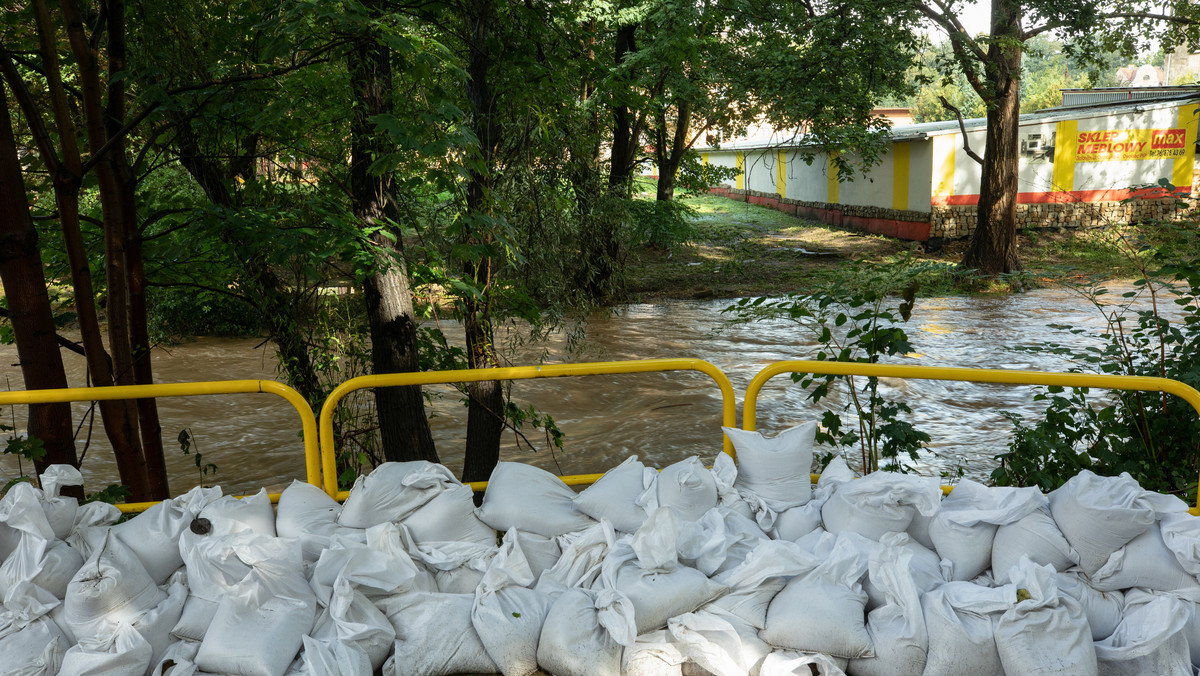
(485,409)
(29,308)
(993,248)
(402,422)
(626,123)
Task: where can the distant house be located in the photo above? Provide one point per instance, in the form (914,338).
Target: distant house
(1141,76)
(1078,165)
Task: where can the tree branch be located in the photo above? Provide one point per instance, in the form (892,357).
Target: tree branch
(963,128)
(62,342)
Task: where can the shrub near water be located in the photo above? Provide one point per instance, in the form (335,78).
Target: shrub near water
(1154,437)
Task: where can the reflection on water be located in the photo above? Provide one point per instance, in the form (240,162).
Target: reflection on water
(662,417)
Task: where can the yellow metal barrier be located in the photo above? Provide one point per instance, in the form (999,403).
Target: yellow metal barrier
(328,464)
(312,465)
(1135,383)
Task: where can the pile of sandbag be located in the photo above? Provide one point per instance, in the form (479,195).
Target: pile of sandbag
(733,570)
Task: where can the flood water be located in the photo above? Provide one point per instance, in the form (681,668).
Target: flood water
(663,417)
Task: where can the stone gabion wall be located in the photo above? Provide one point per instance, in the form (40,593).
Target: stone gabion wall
(954,222)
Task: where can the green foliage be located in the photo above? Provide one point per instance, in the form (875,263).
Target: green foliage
(189,447)
(662,224)
(112,494)
(856,319)
(177,313)
(1154,437)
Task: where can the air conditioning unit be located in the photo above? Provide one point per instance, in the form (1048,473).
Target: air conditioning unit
(1032,144)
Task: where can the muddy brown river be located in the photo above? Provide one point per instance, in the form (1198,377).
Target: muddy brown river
(254,439)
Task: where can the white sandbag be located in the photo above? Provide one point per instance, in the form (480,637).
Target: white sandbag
(31,644)
(1035,536)
(777,469)
(531,499)
(153,535)
(792,663)
(923,566)
(1044,632)
(458,567)
(252,513)
(449,517)
(327,657)
(1144,562)
(507,615)
(653,654)
(615,495)
(112,588)
(793,524)
(178,660)
(897,627)
(122,653)
(718,642)
(60,510)
(155,624)
(1181,534)
(50,564)
(964,527)
(381,567)
(724,474)
(1149,640)
(823,610)
(959,618)
(658,595)
(258,627)
(392,491)
(688,488)
(307,513)
(540,551)
(753,584)
(718,541)
(583,555)
(1104,610)
(434,636)
(1099,515)
(586,632)
(214,569)
(352,620)
(880,503)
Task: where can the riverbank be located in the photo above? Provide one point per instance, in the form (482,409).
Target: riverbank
(739,249)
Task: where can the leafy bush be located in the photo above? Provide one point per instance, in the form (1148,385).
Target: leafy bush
(1154,437)
(661,224)
(856,318)
(177,313)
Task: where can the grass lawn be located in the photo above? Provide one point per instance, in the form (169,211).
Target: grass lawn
(739,249)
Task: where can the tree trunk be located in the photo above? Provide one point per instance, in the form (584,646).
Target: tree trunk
(485,409)
(670,159)
(993,248)
(29,310)
(402,422)
(626,127)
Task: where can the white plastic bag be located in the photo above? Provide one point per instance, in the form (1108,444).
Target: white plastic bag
(965,526)
(39,557)
(688,488)
(777,469)
(382,566)
(392,491)
(1149,640)
(1044,632)
(793,663)
(1035,536)
(583,554)
(823,610)
(1099,515)
(434,636)
(329,657)
(531,499)
(507,615)
(615,495)
(718,642)
(60,510)
(585,633)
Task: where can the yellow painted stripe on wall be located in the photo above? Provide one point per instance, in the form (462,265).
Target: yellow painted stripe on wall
(781,173)
(1182,175)
(833,187)
(1065,150)
(900,176)
(741,170)
(704,159)
(943,164)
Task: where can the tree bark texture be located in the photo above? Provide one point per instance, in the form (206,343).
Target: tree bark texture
(671,156)
(485,410)
(32,318)
(626,124)
(393,326)
(993,247)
